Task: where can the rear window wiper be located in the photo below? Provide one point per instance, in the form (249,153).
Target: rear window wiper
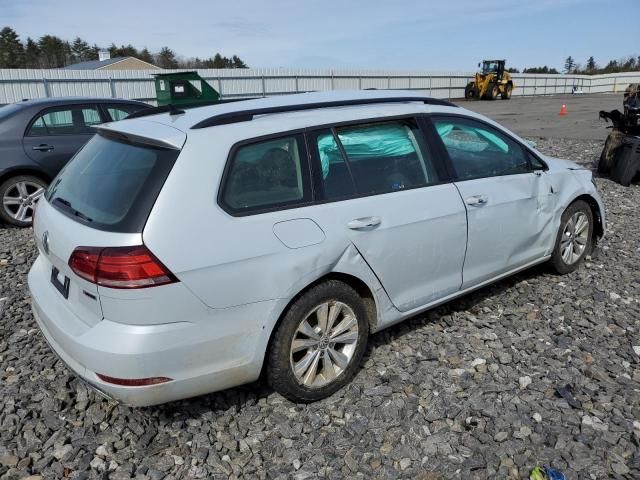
(77,213)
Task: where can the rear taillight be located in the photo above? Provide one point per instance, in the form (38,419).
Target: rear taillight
(120,267)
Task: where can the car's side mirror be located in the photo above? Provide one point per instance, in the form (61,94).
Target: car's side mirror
(531,143)
(479,64)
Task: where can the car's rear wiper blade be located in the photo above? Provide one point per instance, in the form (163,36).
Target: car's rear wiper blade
(77,213)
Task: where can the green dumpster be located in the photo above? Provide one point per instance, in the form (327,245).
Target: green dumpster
(183,88)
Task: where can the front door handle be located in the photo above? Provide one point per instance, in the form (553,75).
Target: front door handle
(477,200)
(364,223)
(43,147)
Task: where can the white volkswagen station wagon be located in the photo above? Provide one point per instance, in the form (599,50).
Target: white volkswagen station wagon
(183,252)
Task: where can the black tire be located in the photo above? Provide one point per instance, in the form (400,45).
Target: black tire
(470,91)
(279,370)
(558,263)
(506,93)
(9,188)
(625,169)
(492,91)
(610,151)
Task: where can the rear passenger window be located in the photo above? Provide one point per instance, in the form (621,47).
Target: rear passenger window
(373,158)
(120,112)
(66,121)
(267,174)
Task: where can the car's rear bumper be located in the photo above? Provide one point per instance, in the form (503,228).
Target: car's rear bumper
(225,349)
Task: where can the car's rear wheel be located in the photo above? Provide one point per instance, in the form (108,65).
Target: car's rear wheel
(317,347)
(19,196)
(574,237)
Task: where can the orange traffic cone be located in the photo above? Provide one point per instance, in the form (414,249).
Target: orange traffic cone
(563,110)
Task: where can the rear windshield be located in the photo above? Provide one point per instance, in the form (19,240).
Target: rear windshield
(111,184)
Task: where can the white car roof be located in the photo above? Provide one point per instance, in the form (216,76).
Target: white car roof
(172,130)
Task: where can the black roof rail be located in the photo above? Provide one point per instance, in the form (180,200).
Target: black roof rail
(178,109)
(247,115)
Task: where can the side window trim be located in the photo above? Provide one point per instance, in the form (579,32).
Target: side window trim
(345,157)
(315,164)
(95,106)
(441,161)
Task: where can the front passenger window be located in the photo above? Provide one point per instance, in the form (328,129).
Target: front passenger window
(477,150)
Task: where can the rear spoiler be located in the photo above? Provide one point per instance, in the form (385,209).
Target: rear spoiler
(143,132)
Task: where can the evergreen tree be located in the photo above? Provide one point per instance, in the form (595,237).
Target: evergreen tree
(219,61)
(11,49)
(94,52)
(50,51)
(544,69)
(80,50)
(145,55)
(611,67)
(166,58)
(32,54)
(569,64)
(236,62)
(113,50)
(591,64)
(53,51)
(126,51)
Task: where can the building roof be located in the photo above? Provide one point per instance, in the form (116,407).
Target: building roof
(98,64)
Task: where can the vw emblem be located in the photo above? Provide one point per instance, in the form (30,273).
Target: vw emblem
(45,242)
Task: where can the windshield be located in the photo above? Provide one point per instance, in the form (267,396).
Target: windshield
(111,184)
(490,67)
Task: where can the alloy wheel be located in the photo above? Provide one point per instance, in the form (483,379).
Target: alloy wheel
(575,237)
(324,344)
(20,199)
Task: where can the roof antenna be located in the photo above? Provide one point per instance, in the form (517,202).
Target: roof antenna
(173,110)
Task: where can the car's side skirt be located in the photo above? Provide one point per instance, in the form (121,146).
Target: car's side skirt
(400,316)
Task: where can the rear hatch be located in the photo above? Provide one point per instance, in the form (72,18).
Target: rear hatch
(100,200)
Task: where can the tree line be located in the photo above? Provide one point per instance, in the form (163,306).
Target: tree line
(50,51)
(590,67)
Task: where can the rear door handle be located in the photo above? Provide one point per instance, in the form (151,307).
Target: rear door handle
(363,223)
(477,200)
(43,147)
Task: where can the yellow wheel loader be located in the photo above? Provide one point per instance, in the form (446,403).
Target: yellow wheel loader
(492,81)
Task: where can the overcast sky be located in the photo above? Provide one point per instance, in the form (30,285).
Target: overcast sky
(396,34)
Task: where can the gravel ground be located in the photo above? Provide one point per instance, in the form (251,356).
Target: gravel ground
(465,391)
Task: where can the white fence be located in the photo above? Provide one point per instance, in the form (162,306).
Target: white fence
(236,83)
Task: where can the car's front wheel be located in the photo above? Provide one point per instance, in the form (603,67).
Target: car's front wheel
(317,347)
(574,237)
(19,196)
